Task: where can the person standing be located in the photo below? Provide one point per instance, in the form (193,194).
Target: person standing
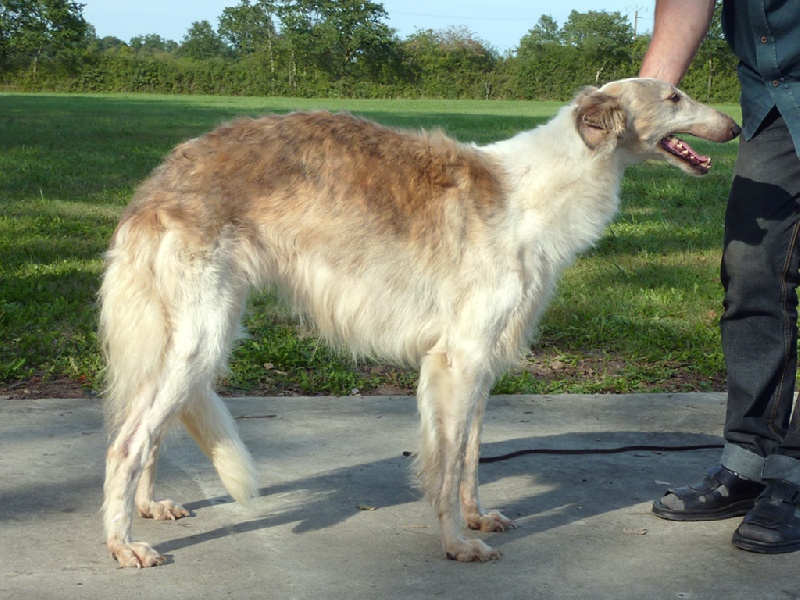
(758,475)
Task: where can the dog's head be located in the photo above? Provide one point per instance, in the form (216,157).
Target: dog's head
(640,118)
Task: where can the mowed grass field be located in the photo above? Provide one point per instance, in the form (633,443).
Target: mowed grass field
(637,313)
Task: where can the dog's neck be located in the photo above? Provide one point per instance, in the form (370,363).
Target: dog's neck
(562,193)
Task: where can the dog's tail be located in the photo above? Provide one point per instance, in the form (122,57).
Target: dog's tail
(134,323)
(169,314)
(212,427)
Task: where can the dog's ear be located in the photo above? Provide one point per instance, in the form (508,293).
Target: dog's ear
(599,118)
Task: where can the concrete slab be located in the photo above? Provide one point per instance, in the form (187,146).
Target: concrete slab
(585,528)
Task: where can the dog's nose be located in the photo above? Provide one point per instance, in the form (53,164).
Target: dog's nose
(736,130)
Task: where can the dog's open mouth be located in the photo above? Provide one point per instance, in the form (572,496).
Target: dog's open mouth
(678,148)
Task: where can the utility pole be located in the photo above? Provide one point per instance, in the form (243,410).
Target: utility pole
(636,11)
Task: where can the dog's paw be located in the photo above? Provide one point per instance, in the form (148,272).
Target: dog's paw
(136,554)
(165,510)
(471,551)
(490,522)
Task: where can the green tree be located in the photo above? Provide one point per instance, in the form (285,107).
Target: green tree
(248,27)
(544,66)
(604,38)
(335,40)
(108,42)
(152,43)
(31,29)
(712,74)
(546,31)
(338,34)
(250,33)
(451,63)
(201,42)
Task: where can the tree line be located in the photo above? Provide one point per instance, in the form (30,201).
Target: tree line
(333,48)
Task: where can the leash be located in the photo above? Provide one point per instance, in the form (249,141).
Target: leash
(578,451)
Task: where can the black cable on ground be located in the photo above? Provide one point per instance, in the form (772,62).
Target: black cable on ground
(620,450)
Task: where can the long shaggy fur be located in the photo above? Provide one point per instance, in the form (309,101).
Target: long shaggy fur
(404,246)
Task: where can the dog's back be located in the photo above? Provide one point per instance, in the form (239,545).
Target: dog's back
(266,171)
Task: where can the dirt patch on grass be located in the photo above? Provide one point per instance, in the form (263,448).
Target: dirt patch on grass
(36,387)
(599,372)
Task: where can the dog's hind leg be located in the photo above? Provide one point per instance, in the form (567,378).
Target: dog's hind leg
(192,310)
(127,458)
(471,509)
(182,390)
(146,504)
(450,390)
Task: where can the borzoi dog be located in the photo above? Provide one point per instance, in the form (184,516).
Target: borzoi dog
(407,247)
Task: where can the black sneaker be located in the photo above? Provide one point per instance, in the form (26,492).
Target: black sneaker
(773,525)
(721,494)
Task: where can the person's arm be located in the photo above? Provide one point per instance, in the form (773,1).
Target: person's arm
(678,31)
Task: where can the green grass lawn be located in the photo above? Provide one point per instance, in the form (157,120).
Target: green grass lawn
(639,312)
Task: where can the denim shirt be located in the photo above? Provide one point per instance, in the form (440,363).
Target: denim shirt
(765,37)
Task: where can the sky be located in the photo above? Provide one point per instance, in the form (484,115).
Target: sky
(501,23)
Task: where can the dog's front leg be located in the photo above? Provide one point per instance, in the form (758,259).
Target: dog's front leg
(470,503)
(450,390)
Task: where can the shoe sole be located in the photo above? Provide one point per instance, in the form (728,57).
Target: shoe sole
(751,546)
(738,509)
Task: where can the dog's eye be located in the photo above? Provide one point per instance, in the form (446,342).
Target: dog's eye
(676,97)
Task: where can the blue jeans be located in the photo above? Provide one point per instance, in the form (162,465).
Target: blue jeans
(760,273)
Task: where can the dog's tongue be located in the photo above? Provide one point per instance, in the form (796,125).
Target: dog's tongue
(680,148)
